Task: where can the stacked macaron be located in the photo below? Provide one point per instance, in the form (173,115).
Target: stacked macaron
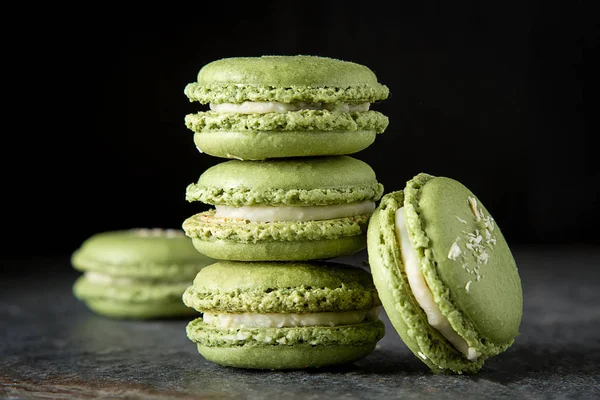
(289,197)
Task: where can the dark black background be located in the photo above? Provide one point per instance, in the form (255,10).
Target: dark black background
(498,97)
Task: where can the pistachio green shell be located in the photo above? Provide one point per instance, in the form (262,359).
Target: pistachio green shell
(295,250)
(275,287)
(300,356)
(292,181)
(142,253)
(285,79)
(285,348)
(302,133)
(139,311)
(136,300)
(242,240)
(206,226)
(266,145)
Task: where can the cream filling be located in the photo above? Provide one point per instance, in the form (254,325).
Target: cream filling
(294,213)
(281,320)
(104,279)
(263,107)
(157,232)
(421,291)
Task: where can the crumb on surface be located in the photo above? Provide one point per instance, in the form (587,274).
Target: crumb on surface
(236,157)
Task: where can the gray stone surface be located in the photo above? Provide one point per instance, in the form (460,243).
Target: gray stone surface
(51,346)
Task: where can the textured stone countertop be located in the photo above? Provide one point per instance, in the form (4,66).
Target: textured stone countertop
(51,346)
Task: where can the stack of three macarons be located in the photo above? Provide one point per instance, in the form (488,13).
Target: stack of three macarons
(289,199)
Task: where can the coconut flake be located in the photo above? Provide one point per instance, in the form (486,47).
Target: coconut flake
(473,204)
(460,219)
(454,250)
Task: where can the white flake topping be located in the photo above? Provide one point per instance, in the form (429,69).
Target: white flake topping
(460,219)
(477,243)
(473,204)
(454,250)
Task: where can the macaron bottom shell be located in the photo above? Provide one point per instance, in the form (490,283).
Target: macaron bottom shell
(281,358)
(266,145)
(285,348)
(141,300)
(242,240)
(280,250)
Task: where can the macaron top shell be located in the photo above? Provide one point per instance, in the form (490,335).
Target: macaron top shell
(302,181)
(466,261)
(285,79)
(263,287)
(145,253)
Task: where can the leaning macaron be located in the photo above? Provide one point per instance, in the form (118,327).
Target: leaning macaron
(445,274)
(285,106)
(283,210)
(270,315)
(137,273)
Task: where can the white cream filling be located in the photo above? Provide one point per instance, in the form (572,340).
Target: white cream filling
(421,291)
(104,279)
(157,232)
(281,320)
(294,213)
(263,107)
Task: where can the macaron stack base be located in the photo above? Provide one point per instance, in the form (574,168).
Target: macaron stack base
(445,274)
(137,273)
(269,315)
(289,197)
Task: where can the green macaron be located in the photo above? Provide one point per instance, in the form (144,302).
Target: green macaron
(137,273)
(445,274)
(294,209)
(275,315)
(285,106)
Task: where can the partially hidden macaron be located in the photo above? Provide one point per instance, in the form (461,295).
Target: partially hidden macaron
(285,106)
(445,274)
(137,273)
(275,315)
(292,209)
